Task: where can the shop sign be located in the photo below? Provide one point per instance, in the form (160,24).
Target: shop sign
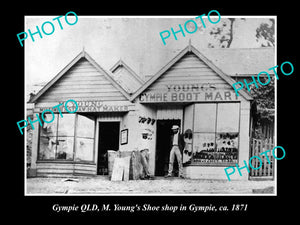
(95,106)
(181,93)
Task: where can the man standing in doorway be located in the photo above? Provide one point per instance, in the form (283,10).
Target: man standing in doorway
(177,146)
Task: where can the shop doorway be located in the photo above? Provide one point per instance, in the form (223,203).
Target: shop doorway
(108,140)
(163,146)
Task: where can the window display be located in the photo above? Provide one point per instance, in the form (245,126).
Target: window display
(64,148)
(216,133)
(84,149)
(47,147)
(57,138)
(227,147)
(48,135)
(204,147)
(84,138)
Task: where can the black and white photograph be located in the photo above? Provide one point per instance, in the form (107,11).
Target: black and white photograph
(150,105)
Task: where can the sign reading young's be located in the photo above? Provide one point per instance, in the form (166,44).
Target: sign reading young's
(188,93)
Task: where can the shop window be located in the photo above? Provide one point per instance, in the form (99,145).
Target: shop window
(57,138)
(228,117)
(85,138)
(66,125)
(65,137)
(204,147)
(216,132)
(227,147)
(205,118)
(48,135)
(227,132)
(64,148)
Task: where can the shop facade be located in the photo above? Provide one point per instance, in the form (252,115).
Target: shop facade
(77,144)
(189,91)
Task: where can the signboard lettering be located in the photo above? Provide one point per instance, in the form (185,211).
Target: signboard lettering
(188,93)
(93,106)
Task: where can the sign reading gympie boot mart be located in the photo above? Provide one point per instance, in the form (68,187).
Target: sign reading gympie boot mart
(188,93)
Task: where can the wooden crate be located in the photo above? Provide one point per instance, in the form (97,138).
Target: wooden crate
(127,166)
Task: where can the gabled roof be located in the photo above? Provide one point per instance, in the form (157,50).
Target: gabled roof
(122,63)
(187,49)
(126,77)
(81,55)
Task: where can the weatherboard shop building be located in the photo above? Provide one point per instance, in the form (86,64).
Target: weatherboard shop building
(115,107)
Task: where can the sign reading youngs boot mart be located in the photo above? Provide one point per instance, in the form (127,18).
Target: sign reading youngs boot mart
(188,93)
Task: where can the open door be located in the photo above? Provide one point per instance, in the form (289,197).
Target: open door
(108,140)
(163,147)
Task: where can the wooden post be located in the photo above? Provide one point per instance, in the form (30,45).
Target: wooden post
(259,151)
(251,154)
(265,164)
(254,153)
(270,166)
(34,150)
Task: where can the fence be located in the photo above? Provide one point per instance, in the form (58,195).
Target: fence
(267,169)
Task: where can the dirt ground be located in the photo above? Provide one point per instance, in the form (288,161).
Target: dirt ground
(101,185)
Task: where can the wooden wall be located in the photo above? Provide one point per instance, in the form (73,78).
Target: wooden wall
(169,112)
(82,82)
(189,70)
(65,169)
(126,80)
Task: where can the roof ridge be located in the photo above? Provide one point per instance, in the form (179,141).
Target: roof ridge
(77,58)
(187,50)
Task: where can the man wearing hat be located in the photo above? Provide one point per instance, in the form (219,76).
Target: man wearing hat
(177,146)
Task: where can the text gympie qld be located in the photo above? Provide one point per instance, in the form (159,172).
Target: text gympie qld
(193,90)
